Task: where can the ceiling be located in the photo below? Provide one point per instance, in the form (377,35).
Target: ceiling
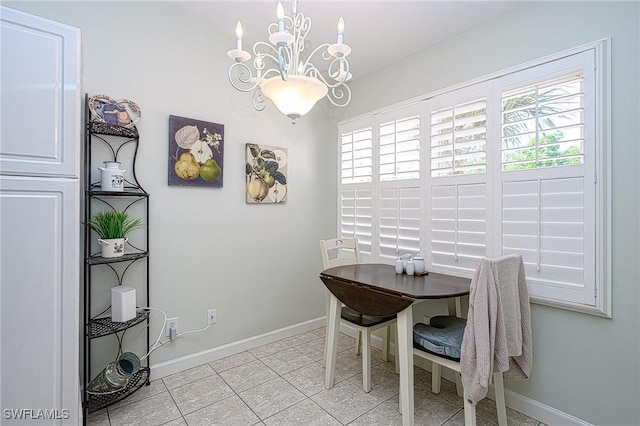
(379,32)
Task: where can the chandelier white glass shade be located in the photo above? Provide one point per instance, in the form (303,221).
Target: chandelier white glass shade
(279,71)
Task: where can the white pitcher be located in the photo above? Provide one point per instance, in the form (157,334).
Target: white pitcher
(112,177)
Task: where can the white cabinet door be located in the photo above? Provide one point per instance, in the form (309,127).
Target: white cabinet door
(39,91)
(39,298)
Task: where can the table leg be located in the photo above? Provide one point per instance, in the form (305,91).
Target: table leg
(405,356)
(331,340)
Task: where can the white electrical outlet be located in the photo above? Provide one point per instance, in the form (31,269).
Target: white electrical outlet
(211,316)
(427,319)
(171,322)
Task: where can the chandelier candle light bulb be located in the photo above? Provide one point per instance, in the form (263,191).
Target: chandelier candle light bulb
(281,72)
(280,14)
(239,36)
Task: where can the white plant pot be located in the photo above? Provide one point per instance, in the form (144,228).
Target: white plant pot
(112,247)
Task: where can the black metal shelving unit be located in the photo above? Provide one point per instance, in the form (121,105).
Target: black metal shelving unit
(114,138)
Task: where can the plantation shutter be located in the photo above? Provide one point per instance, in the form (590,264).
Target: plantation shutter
(457,231)
(356,199)
(399,147)
(547,200)
(356,156)
(356,217)
(543,220)
(458,138)
(399,183)
(399,221)
(458,223)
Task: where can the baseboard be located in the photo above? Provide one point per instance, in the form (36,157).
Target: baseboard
(540,411)
(521,403)
(166,368)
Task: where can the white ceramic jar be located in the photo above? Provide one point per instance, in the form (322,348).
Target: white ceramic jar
(399,266)
(112,177)
(410,267)
(419,266)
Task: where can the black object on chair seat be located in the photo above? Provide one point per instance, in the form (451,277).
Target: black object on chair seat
(442,337)
(362,320)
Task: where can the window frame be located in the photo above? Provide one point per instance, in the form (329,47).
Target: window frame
(600,126)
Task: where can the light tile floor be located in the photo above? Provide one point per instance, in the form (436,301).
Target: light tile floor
(282,384)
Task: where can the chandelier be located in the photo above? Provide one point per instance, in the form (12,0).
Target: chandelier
(281,73)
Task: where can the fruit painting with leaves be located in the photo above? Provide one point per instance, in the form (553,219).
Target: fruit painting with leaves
(266,174)
(196,151)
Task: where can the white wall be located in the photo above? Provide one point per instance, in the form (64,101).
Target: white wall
(583,365)
(257,265)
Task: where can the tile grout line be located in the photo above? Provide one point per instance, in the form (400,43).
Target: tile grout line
(280,346)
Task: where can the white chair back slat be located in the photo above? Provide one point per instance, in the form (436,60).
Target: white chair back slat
(339,252)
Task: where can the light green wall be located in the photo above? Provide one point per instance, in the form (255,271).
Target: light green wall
(584,365)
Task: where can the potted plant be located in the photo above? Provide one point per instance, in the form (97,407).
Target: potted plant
(112,228)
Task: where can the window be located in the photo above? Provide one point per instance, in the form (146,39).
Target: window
(504,165)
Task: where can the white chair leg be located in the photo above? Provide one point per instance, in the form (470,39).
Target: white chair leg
(469,414)
(358,341)
(459,389)
(385,343)
(366,361)
(436,374)
(326,330)
(396,356)
(498,384)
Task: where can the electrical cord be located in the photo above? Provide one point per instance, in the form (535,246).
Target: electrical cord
(158,343)
(194,331)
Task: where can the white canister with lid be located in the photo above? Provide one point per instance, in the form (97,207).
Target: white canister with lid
(405,258)
(112,177)
(399,266)
(418,264)
(410,267)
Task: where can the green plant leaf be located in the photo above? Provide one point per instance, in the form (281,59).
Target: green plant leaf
(113,224)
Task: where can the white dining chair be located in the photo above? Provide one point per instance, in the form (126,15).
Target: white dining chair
(345,251)
(454,342)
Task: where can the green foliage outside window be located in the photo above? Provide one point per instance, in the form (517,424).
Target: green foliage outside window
(549,154)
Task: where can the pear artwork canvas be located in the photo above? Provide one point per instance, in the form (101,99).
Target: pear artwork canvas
(266,174)
(196,152)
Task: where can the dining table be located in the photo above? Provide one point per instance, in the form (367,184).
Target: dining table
(376,289)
